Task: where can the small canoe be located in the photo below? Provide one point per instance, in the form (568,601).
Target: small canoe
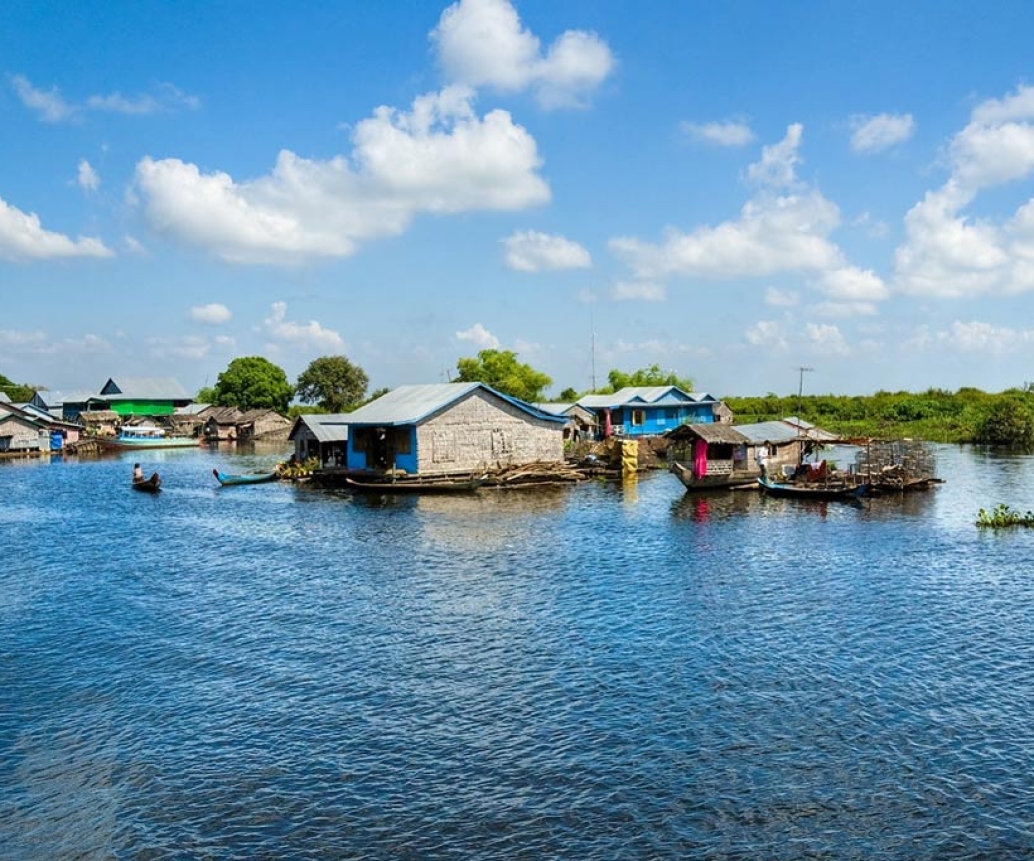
(806,490)
(416,485)
(227,479)
(148,485)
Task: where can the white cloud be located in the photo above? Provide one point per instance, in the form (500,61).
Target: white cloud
(310,336)
(483,43)
(187,347)
(768,334)
(729,133)
(133,245)
(531,251)
(50,106)
(781,298)
(39,343)
(949,253)
(880,132)
(212,314)
(480,337)
(853,284)
(978,337)
(638,290)
(843,309)
(22,237)
(827,339)
(87,177)
(438,158)
(778,165)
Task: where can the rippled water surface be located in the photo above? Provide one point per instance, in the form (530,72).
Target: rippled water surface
(605,671)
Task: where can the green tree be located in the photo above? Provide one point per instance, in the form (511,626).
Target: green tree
(334,382)
(1009,422)
(568,395)
(205,395)
(651,376)
(252,382)
(501,370)
(18,394)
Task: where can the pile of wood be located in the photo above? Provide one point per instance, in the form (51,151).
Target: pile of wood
(530,474)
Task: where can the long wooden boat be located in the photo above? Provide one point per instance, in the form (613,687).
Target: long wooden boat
(228,479)
(148,485)
(147,436)
(729,480)
(416,485)
(812,490)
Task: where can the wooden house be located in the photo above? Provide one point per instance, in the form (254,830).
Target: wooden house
(581,422)
(220,423)
(321,436)
(144,396)
(264,425)
(451,428)
(638,411)
(100,422)
(23,432)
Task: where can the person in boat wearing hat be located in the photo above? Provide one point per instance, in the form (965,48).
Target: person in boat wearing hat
(138,473)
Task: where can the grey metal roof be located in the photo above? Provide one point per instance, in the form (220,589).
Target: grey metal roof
(144,388)
(326,427)
(407,405)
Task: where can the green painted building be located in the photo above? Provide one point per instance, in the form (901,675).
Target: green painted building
(144,396)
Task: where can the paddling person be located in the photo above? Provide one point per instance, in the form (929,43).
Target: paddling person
(138,473)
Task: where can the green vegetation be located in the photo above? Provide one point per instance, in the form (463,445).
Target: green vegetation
(253,382)
(501,370)
(334,382)
(651,376)
(966,416)
(1002,515)
(19,394)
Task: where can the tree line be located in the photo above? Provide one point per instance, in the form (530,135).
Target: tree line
(335,384)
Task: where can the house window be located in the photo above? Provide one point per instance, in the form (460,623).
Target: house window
(444,447)
(638,418)
(403,440)
(502,442)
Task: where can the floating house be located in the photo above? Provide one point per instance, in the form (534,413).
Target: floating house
(637,411)
(323,437)
(262,425)
(450,428)
(581,422)
(144,396)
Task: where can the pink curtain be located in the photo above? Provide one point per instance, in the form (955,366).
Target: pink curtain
(608,428)
(699,458)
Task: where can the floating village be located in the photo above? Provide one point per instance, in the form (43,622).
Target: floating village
(462,437)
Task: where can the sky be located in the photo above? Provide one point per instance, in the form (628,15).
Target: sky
(732,191)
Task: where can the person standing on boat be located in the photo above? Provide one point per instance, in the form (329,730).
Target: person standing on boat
(761,456)
(138,473)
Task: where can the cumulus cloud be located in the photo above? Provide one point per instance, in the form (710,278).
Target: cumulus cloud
(310,336)
(643,291)
(778,165)
(480,337)
(531,251)
(827,339)
(872,134)
(87,177)
(781,298)
(482,43)
(950,253)
(978,337)
(440,157)
(187,347)
(38,342)
(853,284)
(212,314)
(51,107)
(22,237)
(768,334)
(729,133)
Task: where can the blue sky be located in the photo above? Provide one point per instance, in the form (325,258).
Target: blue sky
(728,190)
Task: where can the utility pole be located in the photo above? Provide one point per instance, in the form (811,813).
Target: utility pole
(592,327)
(802,370)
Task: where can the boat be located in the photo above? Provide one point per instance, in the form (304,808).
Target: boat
(831,489)
(227,479)
(148,436)
(148,485)
(416,485)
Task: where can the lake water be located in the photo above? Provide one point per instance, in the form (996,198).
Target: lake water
(605,671)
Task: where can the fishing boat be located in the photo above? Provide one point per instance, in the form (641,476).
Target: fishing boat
(227,479)
(148,436)
(831,489)
(416,485)
(148,485)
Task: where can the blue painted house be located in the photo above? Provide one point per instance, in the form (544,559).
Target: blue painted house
(450,428)
(637,411)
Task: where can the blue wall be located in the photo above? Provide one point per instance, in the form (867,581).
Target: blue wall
(658,420)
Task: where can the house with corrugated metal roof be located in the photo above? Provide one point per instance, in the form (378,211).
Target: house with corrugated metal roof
(637,411)
(144,396)
(451,428)
(323,436)
(581,422)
